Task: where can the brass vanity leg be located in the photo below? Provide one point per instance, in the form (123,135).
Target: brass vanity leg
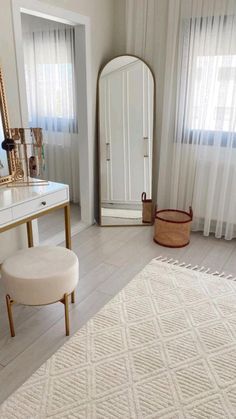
(68,237)
(66,305)
(10,317)
(30,234)
(67,226)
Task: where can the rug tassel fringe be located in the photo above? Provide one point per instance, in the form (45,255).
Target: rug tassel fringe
(195,268)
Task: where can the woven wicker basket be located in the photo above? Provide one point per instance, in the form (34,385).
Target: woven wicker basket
(147,212)
(172,227)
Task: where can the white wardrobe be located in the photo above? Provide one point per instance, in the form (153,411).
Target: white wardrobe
(126,127)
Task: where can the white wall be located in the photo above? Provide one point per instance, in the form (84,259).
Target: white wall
(103,47)
(119,35)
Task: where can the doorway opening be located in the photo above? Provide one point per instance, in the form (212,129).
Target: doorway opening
(54,79)
(50,78)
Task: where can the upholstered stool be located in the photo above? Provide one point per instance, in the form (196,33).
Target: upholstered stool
(39,276)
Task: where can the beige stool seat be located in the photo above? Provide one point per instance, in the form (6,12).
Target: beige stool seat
(40,275)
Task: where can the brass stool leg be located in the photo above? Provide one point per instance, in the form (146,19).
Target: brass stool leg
(66,304)
(10,317)
(73,297)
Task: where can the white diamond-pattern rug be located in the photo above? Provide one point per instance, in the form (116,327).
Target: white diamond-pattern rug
(164,347)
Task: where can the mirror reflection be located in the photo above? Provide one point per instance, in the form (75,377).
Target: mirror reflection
(4,169)
(126,100)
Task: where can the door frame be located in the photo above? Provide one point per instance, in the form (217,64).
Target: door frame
(84,94)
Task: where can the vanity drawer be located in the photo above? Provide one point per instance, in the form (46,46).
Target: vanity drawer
(5,216)
(40,204)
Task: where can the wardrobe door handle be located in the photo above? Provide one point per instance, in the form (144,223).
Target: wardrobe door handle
(108,157)
(145,147)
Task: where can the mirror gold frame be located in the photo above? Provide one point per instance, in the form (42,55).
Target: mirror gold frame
(15,171)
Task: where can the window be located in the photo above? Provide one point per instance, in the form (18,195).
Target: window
(208,83)
(50,78)
(220,102)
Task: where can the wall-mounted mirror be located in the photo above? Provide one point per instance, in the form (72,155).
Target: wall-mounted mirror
(126,108)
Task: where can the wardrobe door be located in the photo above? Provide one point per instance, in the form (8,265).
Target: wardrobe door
(104,127)
(117,137)
(136,133)
(148,106)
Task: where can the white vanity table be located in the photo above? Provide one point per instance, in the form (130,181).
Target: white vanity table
(22,204)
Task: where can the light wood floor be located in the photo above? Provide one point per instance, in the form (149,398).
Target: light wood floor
(52,224)
(109,259)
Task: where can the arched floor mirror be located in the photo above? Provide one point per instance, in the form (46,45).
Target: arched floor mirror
(126,90)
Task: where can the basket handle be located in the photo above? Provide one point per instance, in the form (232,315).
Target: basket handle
(191,212)
(143,196)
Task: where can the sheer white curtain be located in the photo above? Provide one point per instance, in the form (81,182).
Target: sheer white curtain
(146,22)
(198,129)
(51,95)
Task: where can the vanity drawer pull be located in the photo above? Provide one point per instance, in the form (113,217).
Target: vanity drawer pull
(43,203)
